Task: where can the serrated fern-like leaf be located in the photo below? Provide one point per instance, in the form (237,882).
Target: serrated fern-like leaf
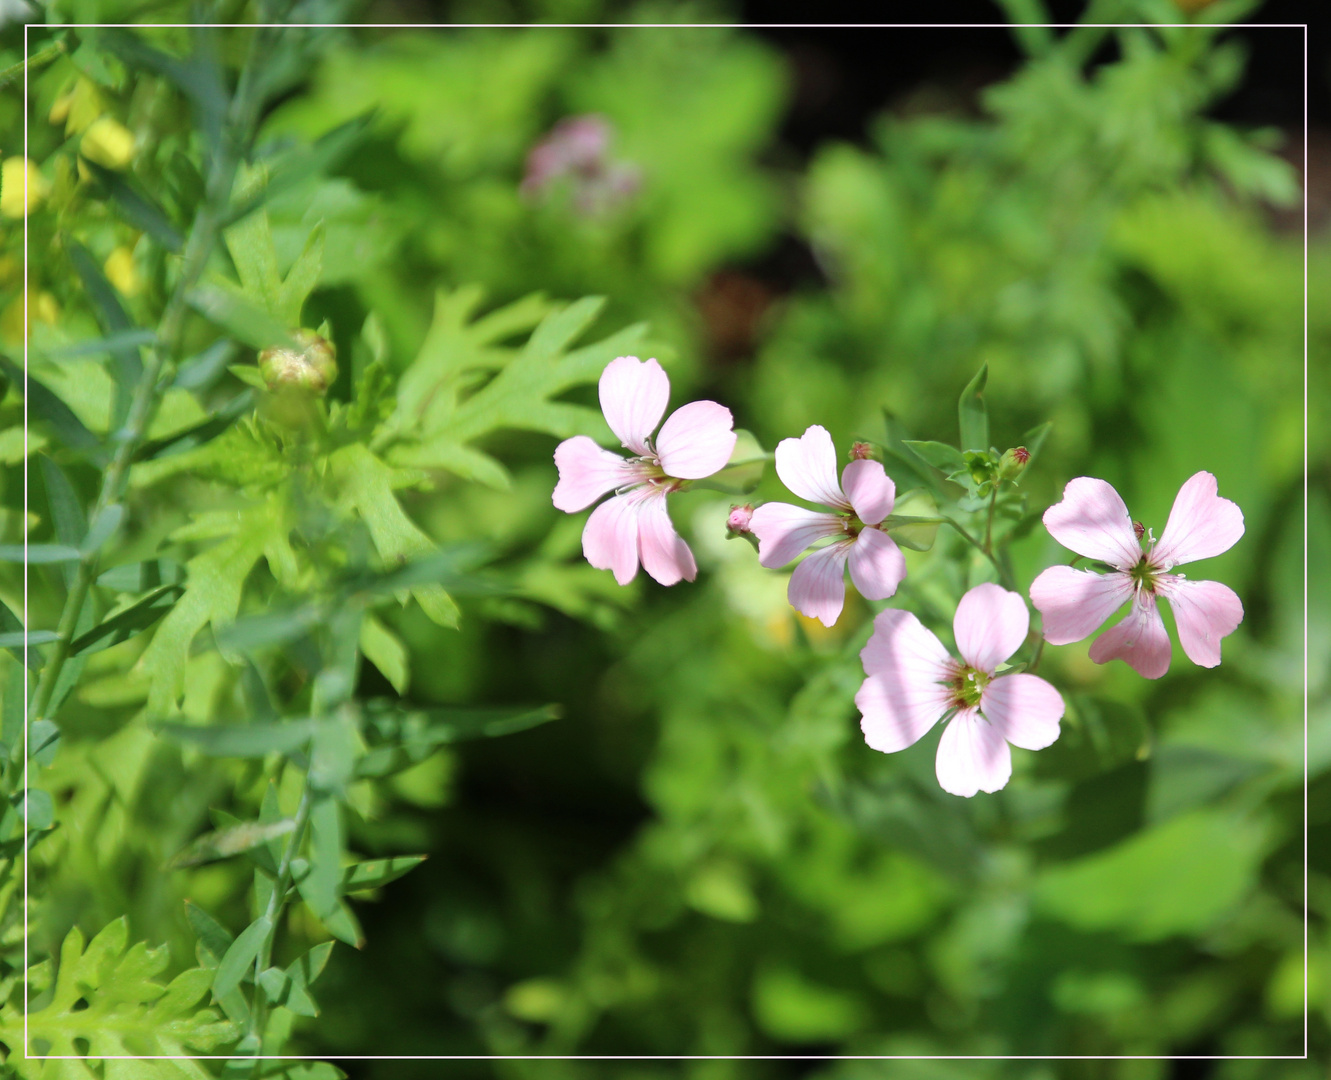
(107,1003)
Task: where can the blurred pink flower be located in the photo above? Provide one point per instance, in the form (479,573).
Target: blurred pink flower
(577,152)
(862,501)
(694,442)
(912,682)
(1093,521)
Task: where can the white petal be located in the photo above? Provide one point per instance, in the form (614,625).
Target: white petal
(634,394)
(1075,603)
(1024,709)
(877,566)
(696,441)
(1200,525)
(665,556)
(610,537)
(1205,612)
(784,531)
(1093,521)
(586,472)
(990,625)
(972,756)
(807,466)
(903,695)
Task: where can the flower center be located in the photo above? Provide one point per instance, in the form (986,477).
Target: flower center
(1144,574)
(967,685)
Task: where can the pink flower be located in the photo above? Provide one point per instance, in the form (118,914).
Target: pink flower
(862,501)
(695,442)
(1093,521)
(913,682)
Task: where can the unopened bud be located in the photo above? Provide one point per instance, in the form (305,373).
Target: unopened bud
(1138,529)
(738,524)
(864,451)
(311,368)
(1013,462)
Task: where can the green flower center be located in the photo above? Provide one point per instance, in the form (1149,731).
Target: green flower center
(967,687)
(1143,575)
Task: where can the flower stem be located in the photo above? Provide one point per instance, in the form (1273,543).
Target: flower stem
(1003,576)
(989,522)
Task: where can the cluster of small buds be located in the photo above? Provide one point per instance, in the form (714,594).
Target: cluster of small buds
(310,369)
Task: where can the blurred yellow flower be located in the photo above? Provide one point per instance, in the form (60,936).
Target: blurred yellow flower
(108,142)
(44,309)
(15,174)
(120,272)
(78,107)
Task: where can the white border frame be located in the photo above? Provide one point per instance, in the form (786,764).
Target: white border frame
(688,1056)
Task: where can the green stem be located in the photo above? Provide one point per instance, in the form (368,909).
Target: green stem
(1003,575)
(44,55)
(989,522)
(1035,656)
(276,902)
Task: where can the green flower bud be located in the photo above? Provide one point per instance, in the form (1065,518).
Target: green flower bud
(308,370)
(1013,463)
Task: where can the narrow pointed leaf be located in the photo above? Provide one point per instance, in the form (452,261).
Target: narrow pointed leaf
(39,553)
(239,958)
(242,740)
(972,414)
(12,624)
(363,876)
(138,208)
(211,934)
(939,455)
(47,406)
(232,840)
(240,317)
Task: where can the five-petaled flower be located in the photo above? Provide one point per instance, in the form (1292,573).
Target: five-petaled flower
(912,682)
(1093,521)
(696,441)
(862,501)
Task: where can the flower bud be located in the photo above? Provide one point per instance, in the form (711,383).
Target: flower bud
(1138,529)
(865,451)
(120,271)
(738,522)
(309,369)
(16,174)
(108,143)
(1013,463)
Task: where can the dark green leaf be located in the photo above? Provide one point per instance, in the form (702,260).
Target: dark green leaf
(103,526)
(972,414)
(139,209)
(401,736)
(242,740)
(12,639)
(320,885)
(212,935)
(198,76)
(111,316)
(218,423)
(275,628)
(301,976)
(123,339)
(11,711)
(333,754)
(71,524)
(203,369)
(135,617)
(239,958)
(363,876)
(38,554)
(939,455)
(45,405)
(43,741)
(11,624)
(36,807)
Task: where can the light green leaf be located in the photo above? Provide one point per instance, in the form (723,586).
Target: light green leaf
(233,840)
(242,740)
(239,957)
(302,278)
(972,414)
(319,886)
(240,316)
(385,650)
(364,876)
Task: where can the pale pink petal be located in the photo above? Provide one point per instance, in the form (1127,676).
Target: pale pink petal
(807,466)
(696,441)
(610,537)
(904,695)
(869,489)
(1075,603)
(972,756)
(1205,612)
(1024,709)
(586,472)
(1200,525)
(784,531)
(818,585)
(990,625)
(633,397)
(1139,640)
(665,556)
(876,564)
(1093,521)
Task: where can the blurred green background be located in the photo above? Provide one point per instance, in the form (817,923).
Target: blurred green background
(702,857)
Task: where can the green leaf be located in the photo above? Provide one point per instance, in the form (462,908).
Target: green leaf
(1034,439)
(972,414)
(401,736)
(35,807)
(111,316)
(16,639)
(39,554)
(201,370)
(385,650)
(319,886)
(939,455)
(242,740)
(11,624)
(121,339)
(108,997)
(12,711)
(232,840)
(239,316)
(364,876)
(302,278)
(45,405)
(138,208)
(103,527)
(274,628)
(333,756)
(343,925)
(239,957)
(300,976)
(213,937)
(71,523)
(137,616)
